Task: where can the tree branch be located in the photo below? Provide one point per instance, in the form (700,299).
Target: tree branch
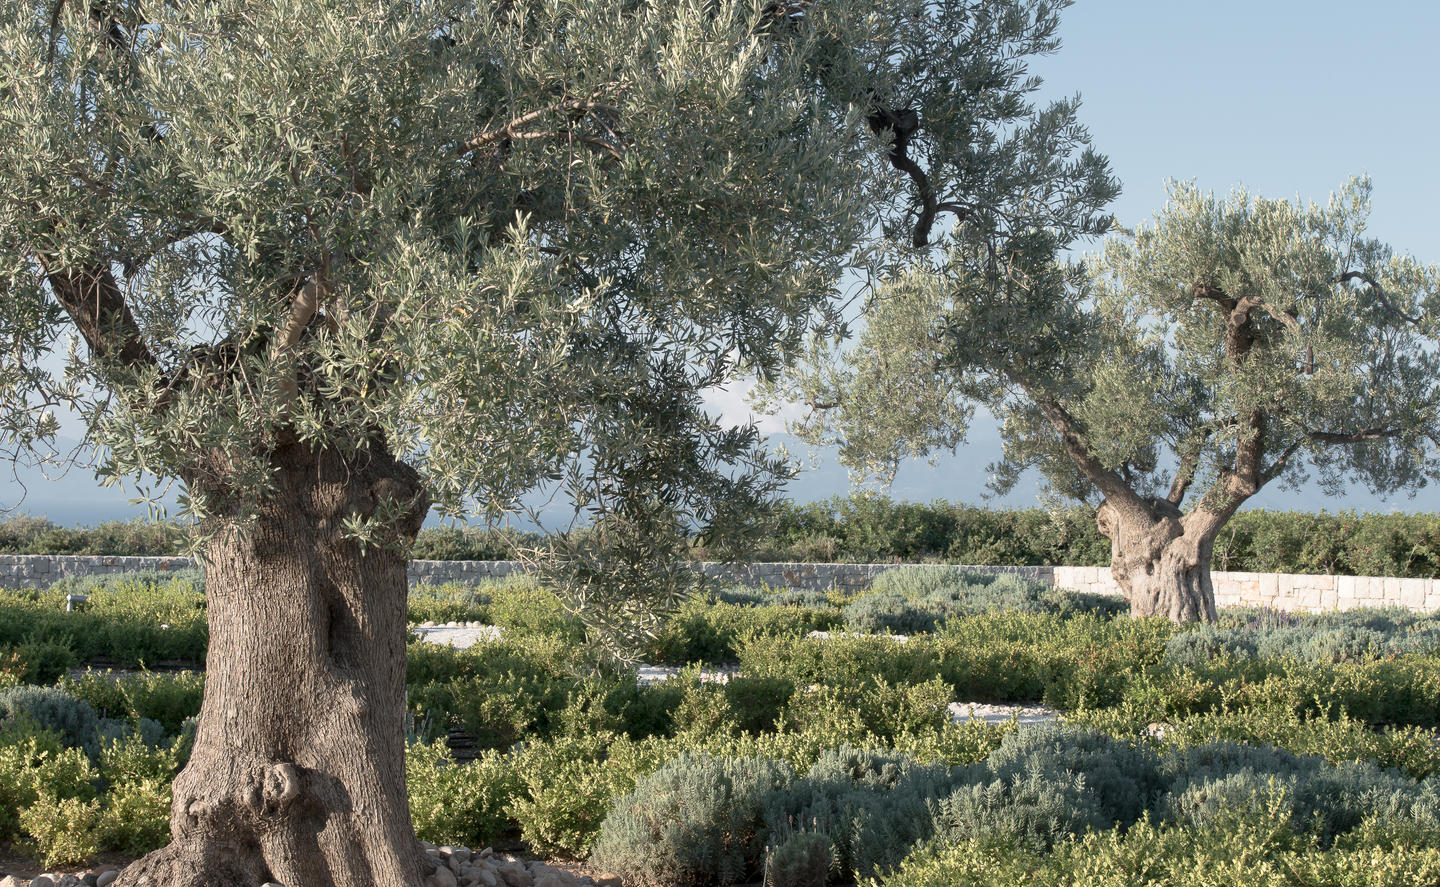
(303,307)
(1352,437)
(191,228)
(903,125)
(513,130)
(1279,464)
(1185,472)
(1072,438)
(1379,294)
(92,298)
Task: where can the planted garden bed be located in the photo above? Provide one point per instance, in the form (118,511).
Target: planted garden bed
(1305,745)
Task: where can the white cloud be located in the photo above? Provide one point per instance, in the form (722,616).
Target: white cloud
(730,403)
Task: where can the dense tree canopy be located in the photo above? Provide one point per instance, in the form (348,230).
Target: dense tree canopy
(326,264)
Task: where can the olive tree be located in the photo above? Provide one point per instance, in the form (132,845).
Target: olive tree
(329,265)
(1229,344)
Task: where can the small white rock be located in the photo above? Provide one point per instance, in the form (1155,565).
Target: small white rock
(42,881)
(105,879)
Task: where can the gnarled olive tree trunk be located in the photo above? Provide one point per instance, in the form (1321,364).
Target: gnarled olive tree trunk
(298,769)
(1161,560)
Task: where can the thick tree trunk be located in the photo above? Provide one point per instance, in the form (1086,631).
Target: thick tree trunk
(298,769)
(1161,565)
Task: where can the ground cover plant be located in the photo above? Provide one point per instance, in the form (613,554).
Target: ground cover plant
(826,760)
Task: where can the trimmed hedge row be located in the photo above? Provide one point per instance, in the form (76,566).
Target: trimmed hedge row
(873,529)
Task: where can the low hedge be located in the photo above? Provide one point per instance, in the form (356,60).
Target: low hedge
(873,529)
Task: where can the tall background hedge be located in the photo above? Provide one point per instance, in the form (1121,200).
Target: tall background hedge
(871,529)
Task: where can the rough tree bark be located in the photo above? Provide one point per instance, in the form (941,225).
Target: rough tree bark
(1161,560)
(298,769)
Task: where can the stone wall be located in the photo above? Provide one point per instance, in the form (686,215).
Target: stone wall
(40,570)
(1280,590)
(1286,591)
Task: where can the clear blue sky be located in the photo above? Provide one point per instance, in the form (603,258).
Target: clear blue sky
(1287,97)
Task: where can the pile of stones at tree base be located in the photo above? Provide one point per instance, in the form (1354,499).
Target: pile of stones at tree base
(452,867)
(100,876)
(459,867)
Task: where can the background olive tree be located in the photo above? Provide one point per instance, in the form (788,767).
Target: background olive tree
(1225,346)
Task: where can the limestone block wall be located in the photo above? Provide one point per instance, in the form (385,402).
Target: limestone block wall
(40,570)
(1285,591)
(1279,590)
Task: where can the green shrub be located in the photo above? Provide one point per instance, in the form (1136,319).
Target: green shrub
(520,604)
(53,709)
(33,761)
(918,599)
(703,709)
(132,757)
(454,803)
(695,821)
(709,632)
(610,700)
(871,529)
(471,543)
(1214,781)
(163,594)
(62,830)
(12,669)
(1123,779)
(1198,646)
(870,806)
(803,859)
(872,709)
(130,618)
(1413,750)
(1346,643)
(497,710)
(1255,849)
(569,784)
(451,602)
(167,698)
(28,535)
(498,691)
(757,702)
(1031,810)
(136,817)
(44,661)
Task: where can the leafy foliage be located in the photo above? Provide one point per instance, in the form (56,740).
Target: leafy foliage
(697,820)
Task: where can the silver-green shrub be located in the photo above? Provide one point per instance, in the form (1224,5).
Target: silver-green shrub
(698,820)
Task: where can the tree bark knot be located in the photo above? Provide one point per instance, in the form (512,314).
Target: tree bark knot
(271,791)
